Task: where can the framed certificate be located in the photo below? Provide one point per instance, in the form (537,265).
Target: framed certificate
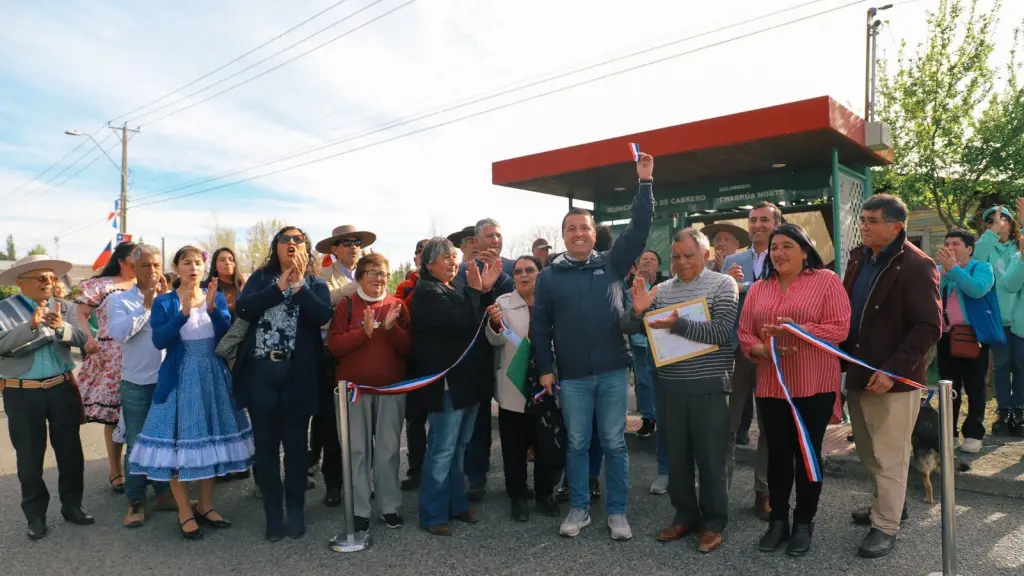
(668,348)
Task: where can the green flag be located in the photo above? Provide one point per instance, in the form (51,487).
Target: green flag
(517,367)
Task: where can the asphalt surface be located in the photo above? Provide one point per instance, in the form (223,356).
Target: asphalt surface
(990,537)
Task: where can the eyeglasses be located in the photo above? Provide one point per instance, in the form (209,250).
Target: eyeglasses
(524,271)
(374,274)
(349,242)
(291,239)
(46,279)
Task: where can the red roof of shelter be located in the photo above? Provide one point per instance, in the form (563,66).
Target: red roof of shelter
(798,134)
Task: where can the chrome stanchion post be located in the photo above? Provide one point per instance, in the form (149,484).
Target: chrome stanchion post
(948,488)
(349,540)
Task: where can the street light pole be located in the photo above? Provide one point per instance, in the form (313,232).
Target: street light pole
(870,45)
(123,168)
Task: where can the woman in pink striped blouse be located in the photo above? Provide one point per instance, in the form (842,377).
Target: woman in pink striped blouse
(796,288)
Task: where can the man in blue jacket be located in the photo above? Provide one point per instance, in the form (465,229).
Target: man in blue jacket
(576,313)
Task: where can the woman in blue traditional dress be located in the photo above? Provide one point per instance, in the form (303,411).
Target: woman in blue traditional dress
(193,432)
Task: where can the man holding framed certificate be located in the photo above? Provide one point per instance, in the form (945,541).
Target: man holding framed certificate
(690,321)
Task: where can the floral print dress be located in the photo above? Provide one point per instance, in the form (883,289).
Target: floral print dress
(99,380)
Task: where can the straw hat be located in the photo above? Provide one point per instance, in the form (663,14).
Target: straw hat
(346,231)
(739,233)
(27,264)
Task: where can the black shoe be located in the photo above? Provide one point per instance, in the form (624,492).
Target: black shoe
(196,534)
(1016,426)
(476,492)
(549,507)
(800,540)
(743,438)
(876,544)
(850,438)
(562,494)
(37,529)
(333,497)
(595,489)
(393,521)
(361,524)
(204,517)
(243,475)
(275,529)
(411,483)
(646,428)
(77,516)
(1001,427)
(520,511)
(777,535)
(296,527)
(862,516)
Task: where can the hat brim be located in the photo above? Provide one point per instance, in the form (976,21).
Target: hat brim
(10,276)
(1004,211)
(544,247)
(458,237)
(739,233)
(324,246)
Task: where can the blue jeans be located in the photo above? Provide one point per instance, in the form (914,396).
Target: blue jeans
(596,454)
(135,403)
(643,366)
(478,452)
(442,485)
(1008,362)
(606,396)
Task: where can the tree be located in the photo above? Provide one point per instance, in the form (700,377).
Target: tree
(12,254)
(958,141)
(258,241)
(37,249)
(522,245)
(398,275)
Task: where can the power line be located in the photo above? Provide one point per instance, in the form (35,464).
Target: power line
(236,59)
(506,105)
(269,70)
(41,174)
(37,195)
(481,97)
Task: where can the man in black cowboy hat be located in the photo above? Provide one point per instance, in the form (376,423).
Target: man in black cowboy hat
(465,240)
(39,390)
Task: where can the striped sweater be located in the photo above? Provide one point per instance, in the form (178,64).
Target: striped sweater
(711,372)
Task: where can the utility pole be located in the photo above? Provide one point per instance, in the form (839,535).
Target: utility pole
(124,174)
(163,253)
(56,246)
(870,58)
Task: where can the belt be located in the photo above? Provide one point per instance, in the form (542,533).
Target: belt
(278,355)
(36,384)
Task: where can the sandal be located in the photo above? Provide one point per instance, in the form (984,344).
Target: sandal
(118,488)
(196,534)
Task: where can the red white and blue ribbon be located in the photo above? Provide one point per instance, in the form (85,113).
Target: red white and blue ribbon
(807,451)
(634,149)
(407,386)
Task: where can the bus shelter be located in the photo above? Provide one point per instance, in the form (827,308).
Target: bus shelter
(807,157)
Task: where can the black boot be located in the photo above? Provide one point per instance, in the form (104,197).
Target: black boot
(1001,427)
(800,540)
(1017,422)
(777,535)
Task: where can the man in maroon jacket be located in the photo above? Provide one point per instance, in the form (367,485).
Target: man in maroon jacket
(894,299)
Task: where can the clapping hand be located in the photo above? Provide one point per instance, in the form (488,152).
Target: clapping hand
(211,294)
(368,321)
(54,319)
(473,279)
(392,316)
(770,331)
(665,323)
(642,297)
(736,272)
(946,258)
(38,317)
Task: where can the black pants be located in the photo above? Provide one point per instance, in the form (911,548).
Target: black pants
(747,416)
(28,413)
(478,451)
(276,423)
(967,375)
(415,433)
(518,432)
(784,458)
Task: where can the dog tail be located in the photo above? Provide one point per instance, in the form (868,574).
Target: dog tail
(961,466)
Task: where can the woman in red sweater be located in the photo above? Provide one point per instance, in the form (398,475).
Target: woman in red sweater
(370,337)
(796,289)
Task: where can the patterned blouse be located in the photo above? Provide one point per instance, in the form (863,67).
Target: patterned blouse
(275,330)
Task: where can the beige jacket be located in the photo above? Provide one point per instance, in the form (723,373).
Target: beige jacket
(517,317)
(337,283)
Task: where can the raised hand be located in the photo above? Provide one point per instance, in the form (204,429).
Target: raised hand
(54,319)
(473,279)
(642,297)
(392,316)
(211,294)
(736,272)
(945,258)
(38,317)
(368,321)
(645,166)
(491,273)
(495,315)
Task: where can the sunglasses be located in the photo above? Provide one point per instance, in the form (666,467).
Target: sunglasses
(46,279)
(524,271)
(291,239)
(349,242)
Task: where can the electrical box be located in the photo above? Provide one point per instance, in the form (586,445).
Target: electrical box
(877,136)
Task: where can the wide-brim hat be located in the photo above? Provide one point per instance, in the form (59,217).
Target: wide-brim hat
(346,231)
(740,234)
(27,264)
(461,235)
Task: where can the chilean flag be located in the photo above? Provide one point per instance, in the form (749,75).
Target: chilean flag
(329,259)
(103,258)
(110,217)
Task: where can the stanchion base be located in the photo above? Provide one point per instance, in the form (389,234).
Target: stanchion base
(356,543)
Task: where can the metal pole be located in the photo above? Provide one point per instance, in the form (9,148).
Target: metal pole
(874,74)
(163,253)
(349,540)
(867,64)
(124,178)
(948,488)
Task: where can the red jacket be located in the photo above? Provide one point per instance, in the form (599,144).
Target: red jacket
(375,360)
(404,289)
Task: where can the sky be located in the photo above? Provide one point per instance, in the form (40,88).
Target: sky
(391,96)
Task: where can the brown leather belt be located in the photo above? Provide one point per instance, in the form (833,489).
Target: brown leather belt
(35,384)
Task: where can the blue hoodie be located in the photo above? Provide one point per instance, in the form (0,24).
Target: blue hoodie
(577,305)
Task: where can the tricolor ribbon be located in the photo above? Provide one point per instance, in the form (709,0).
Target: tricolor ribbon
(807,452)
(516,340)
(634,149)
(416,383)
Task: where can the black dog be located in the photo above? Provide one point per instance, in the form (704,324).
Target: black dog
(926,444)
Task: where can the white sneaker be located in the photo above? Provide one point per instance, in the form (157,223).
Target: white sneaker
(576,520)
(620,527)
(660,484)
(971,446)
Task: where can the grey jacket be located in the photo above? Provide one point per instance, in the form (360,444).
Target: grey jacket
(18,343)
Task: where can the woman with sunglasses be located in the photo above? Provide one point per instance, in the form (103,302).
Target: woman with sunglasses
(277,371)
(519,416)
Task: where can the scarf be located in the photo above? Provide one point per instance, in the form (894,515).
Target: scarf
(369,298)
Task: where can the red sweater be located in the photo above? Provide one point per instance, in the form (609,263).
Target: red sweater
(404,289)
(375,360)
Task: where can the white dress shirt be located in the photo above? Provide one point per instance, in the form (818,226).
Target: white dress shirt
(128,324)
(758,263)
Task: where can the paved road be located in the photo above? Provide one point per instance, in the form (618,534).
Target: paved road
(991,537)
